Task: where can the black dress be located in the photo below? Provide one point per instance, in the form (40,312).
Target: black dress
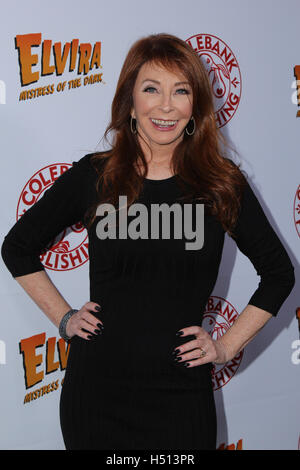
(122,389)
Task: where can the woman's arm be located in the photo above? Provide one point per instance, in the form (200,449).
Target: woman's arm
(61,206)
(244,329)
(256,239)
(43,292)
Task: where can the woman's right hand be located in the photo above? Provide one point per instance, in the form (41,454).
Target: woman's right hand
(84,319)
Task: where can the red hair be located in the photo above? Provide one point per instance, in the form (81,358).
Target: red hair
(197,159)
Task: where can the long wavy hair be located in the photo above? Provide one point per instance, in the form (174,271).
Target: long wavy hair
(203,172)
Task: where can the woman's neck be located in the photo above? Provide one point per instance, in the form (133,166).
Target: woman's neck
(158,159)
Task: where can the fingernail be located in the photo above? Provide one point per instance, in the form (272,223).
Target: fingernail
(177,359)
(98,308)
(179,333)
(90,336)
(100,326)
(186,364)
(98,332)
(176,352)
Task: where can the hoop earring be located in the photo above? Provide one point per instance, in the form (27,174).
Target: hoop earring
(133,126)
(194,127)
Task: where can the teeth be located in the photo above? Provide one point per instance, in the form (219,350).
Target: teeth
(163,123)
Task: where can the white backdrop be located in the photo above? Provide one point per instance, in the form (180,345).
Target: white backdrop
(257,395)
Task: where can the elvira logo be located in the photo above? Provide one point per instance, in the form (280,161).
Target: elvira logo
(36,366)
(68,249)
(53,59)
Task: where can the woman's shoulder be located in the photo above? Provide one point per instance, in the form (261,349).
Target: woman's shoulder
(92,163)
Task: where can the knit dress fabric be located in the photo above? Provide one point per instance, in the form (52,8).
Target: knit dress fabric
(122,389)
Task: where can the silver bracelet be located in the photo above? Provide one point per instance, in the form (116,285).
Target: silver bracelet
(63,324)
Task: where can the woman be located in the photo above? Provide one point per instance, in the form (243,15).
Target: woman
(139,367)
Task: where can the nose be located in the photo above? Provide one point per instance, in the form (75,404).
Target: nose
(166,104)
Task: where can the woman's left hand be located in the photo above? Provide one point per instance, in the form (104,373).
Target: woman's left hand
(201,350)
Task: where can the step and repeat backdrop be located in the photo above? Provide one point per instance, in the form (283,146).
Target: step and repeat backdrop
(60,63)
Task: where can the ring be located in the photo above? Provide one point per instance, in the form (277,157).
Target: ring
(203,353)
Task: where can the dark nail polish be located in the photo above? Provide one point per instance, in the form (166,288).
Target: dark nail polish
(186,364)
(176,351)
(90,336)
(179,333)
(98,308)
(98,332)
(100,326)
(177,359)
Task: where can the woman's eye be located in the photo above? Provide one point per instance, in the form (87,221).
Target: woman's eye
(150,89)
(183,91)
(180,91)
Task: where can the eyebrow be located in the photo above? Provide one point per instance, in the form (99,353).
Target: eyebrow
(156,81)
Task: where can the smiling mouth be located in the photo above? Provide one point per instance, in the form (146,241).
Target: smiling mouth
(161,123)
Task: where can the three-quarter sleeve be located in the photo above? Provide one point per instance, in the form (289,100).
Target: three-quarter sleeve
(257,240)
(62,205)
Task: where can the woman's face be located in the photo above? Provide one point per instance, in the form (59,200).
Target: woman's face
(162,105)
